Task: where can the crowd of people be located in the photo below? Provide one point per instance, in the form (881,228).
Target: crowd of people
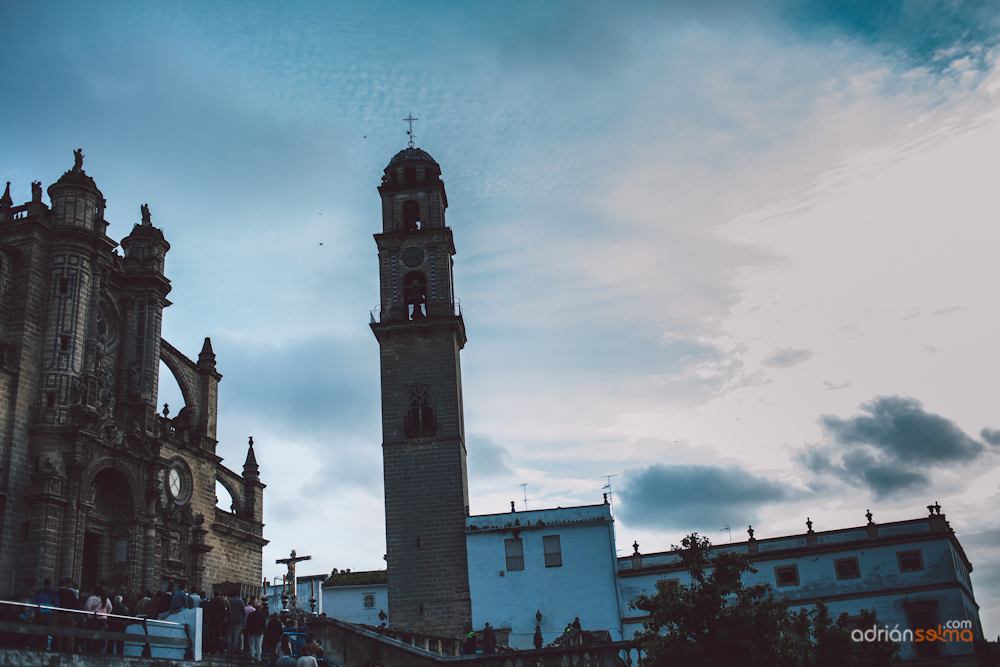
(228,621)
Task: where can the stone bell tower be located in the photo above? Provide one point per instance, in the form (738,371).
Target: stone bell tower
(420,332)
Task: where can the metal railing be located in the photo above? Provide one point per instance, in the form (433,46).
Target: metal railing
(377,312)
(31,627)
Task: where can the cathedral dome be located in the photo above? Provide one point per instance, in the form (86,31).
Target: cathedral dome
(410,155)
(77,178)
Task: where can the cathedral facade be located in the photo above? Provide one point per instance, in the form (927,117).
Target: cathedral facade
(95,484)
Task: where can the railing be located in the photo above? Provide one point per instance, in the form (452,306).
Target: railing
(376,312)
(237,652)
(77,638)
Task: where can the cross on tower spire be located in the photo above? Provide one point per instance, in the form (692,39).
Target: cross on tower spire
(409,119)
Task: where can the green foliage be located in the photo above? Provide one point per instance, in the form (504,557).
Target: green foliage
(716,620)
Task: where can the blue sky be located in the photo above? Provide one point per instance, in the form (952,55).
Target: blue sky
(738,254)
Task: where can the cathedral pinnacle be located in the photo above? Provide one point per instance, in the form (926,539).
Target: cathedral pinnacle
(207,358)
(6,201)
(250,468)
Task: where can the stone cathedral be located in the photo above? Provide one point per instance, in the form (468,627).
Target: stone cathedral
(94,483)
(420,332)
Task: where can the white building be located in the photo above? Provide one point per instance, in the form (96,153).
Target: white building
(914,574)
(559,563)
(357,597)
(562,563)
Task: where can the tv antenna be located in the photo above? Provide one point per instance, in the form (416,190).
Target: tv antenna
(409,119)
(610,494)
(726,529)
(524,488)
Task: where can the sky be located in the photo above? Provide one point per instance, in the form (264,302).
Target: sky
(735,259)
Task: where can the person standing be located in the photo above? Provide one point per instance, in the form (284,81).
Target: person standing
(272,634)
(179,600)
(99,606)
(256,624)
(537,639)
(65,619)
(489,640)
(306,659)
(218,614)
(47,602)
(117,646)
(234,624)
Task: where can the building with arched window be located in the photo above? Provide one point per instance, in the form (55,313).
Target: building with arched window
(94,483)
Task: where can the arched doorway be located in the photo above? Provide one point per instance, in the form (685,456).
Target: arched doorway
(109,541)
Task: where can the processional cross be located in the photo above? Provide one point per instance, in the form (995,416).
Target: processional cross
(290,563)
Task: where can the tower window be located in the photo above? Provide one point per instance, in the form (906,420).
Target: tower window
(415,294)
(419,416)
(514,551)
(50,400)
(63,285)
(410,174)
(553,551)
(411,215)
(63,343)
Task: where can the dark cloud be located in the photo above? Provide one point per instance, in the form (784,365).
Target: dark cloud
(990,435)
(892,446)
(932,33)
(787,357)
(694,497)
(487,457)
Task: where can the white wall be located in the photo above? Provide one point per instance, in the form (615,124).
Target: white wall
(347,603)
(584,585)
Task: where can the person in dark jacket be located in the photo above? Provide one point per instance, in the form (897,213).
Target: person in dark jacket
(65,619)
(489,640)
(163,606)
(538,637)
(234,624)
(272,634)
(218,614)
(117,646)
(256,624)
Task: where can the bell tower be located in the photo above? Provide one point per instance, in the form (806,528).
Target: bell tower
(420,332)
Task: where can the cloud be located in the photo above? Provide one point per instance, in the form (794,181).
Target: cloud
(990,435)
(487,457)
(787,357)
(891,448)
(695,497)
(935,34)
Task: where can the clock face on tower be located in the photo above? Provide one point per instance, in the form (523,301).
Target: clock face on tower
(413,256)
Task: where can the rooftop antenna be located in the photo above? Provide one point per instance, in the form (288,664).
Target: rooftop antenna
(609,495)
(524,488)
(726,529)
(409,119)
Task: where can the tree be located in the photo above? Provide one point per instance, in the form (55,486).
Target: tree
(717,620)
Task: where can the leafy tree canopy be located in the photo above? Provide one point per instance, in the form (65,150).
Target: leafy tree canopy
(716,620)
